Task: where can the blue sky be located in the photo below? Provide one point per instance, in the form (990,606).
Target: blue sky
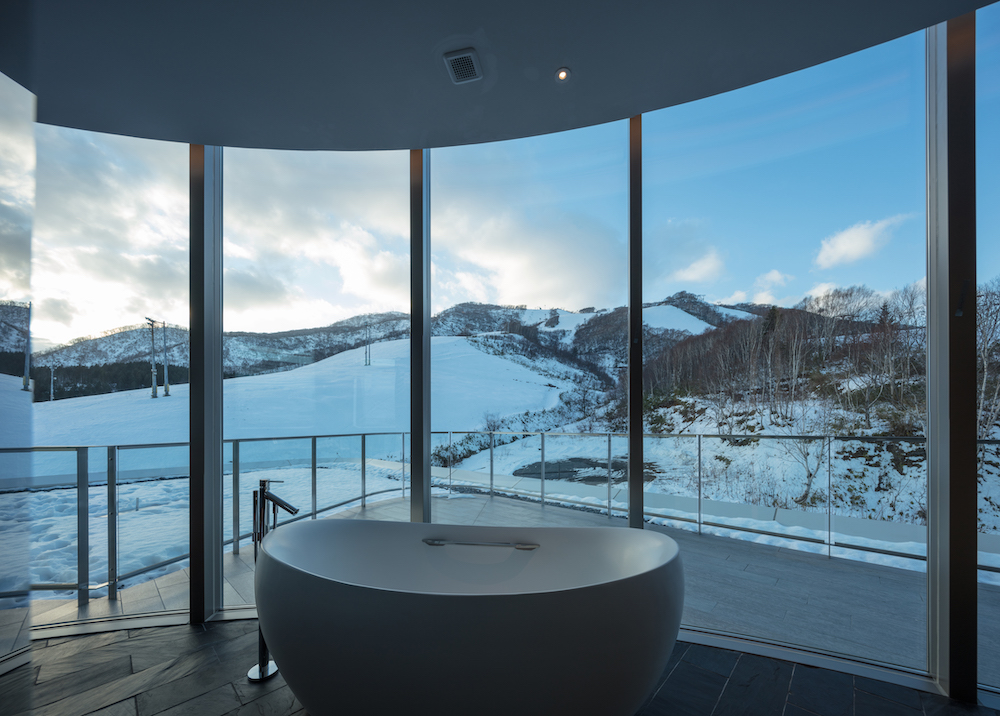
(988,141)
(760,178)
(768,193)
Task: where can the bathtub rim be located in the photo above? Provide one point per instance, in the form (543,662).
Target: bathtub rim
(661,564)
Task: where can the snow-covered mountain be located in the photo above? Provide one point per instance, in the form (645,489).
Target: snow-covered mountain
(337,395)
(242,352)
(595,334)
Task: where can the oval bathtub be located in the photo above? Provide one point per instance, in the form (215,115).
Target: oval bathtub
(364,617)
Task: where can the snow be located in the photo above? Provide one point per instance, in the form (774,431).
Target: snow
(568,320)
(336,396)
(671,317)
(153,517)
(747,486)
(339,395)
(15,409)
(15,516)
(735,314)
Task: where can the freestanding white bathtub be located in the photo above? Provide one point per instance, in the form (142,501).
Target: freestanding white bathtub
(364,617)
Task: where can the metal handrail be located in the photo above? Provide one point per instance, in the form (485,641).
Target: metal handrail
(727,436)
(83,484)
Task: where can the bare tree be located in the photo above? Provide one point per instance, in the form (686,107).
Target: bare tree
(988,354)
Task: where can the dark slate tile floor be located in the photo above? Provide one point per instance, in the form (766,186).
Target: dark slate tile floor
(201,671)
(705,681)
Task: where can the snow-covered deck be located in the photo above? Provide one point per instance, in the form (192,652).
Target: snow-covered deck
(757,590)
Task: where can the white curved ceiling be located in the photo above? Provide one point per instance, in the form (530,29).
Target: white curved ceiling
(313,74)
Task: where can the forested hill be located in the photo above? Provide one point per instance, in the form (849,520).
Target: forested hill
(13,326)
(247,353)
(591,339)
(851,360)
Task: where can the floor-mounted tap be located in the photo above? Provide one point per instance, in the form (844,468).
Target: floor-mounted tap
(265,668)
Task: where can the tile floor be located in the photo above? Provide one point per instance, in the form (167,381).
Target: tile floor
(704,681)
(201,671)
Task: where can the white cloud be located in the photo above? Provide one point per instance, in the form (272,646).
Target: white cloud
(707,268)
(453,287)
(555,260)
(772,278)
(736,297)
(821,289)
(857,242)
(763,287)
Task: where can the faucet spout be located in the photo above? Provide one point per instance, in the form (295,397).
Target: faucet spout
(268,495)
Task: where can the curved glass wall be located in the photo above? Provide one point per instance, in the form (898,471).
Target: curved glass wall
(109,333)
(17,200)
(528,244)
(783,277)
(315,345)
(784,410)
(988,336)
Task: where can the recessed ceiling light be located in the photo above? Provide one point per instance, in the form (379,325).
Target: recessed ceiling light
(562,74)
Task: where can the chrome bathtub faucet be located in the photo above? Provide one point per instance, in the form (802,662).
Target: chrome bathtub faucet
(265,667)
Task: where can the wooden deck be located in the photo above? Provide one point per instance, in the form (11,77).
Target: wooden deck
(744,588)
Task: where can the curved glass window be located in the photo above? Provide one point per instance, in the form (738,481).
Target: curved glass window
(784,265)
(315,344)
(529,249)
(988,336)
(17,204)
(109,333)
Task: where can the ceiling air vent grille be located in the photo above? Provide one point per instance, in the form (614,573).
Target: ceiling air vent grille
(463,66)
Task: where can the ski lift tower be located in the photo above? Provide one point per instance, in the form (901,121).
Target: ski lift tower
(368,341)
(152,353)
(166,374)
(27,352)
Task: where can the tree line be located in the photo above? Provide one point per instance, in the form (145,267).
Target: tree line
(73,381)
(850,348)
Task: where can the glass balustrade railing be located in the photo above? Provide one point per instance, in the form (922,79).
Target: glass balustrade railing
(152,494)
(878,489)
(858,497)
(671,480)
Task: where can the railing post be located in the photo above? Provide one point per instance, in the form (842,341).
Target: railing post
(363,461)
(699,485)
(491,464)
(609,476)
(543,470)
(829,496)
(82,528)
(236,496)
(402,464)
(112,523)
(314,476)
(451,461)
